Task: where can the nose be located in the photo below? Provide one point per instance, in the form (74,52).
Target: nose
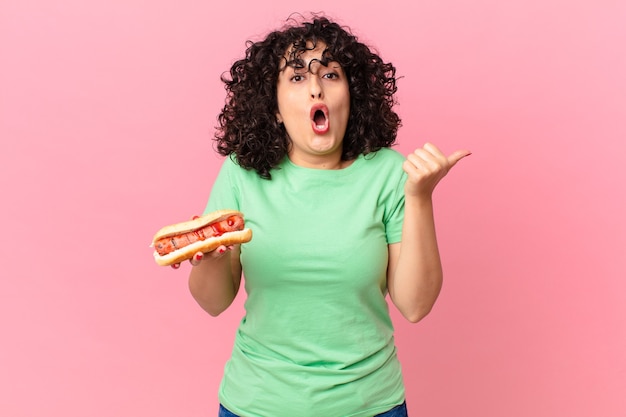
(315,88)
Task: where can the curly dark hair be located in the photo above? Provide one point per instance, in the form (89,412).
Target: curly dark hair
(248,128)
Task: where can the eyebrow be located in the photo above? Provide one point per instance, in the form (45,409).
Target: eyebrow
(300,64)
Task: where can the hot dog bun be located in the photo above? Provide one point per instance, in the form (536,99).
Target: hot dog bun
(206,245)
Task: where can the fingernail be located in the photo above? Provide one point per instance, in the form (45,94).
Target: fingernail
(222,250)
(195,217)
(175,266)
(198,257)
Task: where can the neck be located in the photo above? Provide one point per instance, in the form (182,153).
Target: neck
(322,162)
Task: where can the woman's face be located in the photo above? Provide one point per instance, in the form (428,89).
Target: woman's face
(314,106)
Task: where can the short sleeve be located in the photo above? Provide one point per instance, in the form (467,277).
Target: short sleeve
(394,212)
(393,192)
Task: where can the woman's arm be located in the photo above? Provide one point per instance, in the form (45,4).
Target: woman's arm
(414,275)
(215,278)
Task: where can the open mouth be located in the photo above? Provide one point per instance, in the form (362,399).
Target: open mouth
(319,119)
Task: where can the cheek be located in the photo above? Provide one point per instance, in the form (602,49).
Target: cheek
(343,104)
(342,112)
(287,104)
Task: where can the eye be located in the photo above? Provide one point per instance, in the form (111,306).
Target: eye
(296,78)
(331,76)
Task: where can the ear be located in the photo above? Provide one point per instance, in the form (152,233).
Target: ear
(279,118)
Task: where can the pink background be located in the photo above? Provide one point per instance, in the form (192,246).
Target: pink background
(106,110)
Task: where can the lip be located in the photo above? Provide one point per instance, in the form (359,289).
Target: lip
(320,129)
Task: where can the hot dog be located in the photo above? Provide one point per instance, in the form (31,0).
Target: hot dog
(180,241)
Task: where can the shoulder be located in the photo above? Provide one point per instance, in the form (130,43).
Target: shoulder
(382,170)
(385,156)
(230,163)
(384,160)
(235,171)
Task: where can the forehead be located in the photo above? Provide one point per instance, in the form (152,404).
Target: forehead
(298,48)
(302,56)
(301,51)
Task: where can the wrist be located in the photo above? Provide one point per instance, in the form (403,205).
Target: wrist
(418,200)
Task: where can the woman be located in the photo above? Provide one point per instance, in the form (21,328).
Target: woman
(339,219)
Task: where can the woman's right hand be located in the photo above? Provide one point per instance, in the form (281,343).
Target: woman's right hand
(199,256)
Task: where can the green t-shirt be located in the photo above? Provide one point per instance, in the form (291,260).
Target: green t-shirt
(317,338)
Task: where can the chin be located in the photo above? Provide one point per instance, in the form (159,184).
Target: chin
(326,145)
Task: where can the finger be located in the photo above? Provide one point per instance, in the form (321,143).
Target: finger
(435,151)
(220,250)
(457,156)
(432,159)
(428,160)
(415,167)
(197,258)
(416,159)
(175,266)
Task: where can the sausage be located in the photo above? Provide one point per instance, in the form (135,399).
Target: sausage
(169,244)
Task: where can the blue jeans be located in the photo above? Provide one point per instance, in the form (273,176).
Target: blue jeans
(398,411)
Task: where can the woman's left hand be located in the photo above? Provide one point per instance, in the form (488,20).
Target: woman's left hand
(426,167)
